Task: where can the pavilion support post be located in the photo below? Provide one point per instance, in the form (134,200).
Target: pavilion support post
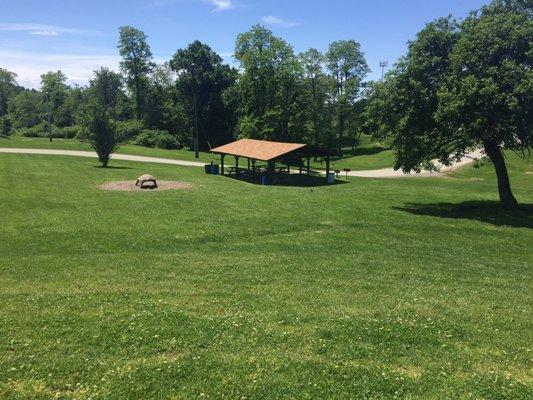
(248,163)
(236,165)
(222,164)
(253,166)
(327,168)
(271,166)
(308,166)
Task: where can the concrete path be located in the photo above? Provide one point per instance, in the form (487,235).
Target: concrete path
(376,173)
(91,154)
(392,173)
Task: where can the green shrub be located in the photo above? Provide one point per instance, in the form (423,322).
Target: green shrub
(70,132)
(41,130)
(129,130)
(156,138)
(102,135)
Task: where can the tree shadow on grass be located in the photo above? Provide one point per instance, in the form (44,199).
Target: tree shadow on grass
(485,211)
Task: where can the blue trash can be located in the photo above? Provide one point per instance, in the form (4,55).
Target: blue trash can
(208,168)
(265,180)
(214,169)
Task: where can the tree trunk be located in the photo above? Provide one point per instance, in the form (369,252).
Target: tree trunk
(341,131)
(137,98)
(494,152)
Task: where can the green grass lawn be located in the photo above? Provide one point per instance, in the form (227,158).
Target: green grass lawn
(373,289)
(368,155)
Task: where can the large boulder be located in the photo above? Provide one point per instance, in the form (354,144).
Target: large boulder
(146,182)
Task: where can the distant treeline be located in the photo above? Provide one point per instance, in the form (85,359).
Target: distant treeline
(274,94)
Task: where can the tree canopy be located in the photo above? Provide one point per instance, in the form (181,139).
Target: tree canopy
(202,80)
(8,85)
(136,63)
(461,86)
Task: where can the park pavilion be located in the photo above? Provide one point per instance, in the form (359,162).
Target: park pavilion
(270,162)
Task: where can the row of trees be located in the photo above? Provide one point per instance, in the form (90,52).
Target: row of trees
(199,101)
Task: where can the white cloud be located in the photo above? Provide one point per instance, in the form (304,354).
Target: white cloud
(44,30)
(29,66)
(79,68)
(45,33)
(272,20)
(220,5)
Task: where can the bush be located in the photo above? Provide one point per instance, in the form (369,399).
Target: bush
(129,130)
(70,132)
(41,131)
(102,135)
(156,138)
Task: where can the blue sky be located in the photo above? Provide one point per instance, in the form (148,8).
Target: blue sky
(78,36)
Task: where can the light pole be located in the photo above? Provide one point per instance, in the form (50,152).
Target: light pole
(48,114)
(383,65)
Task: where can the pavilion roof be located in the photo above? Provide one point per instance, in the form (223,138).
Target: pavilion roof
(263,150)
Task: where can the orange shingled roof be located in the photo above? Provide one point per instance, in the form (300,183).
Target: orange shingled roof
(258,149)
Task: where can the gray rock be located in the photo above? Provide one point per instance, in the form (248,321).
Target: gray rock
(146,181)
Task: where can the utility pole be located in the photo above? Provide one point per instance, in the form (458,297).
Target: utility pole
(196,155)
(49,117)
(383,65)
(195,100)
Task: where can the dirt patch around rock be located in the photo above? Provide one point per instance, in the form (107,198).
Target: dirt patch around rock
(129,186)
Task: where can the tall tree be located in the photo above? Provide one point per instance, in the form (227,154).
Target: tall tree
(402,107)
(346,62)
(54,90)
(202,79)
(68,110)
(269,86)
(7,88)
(26,109)
(106,87)
(136,63)
(460,87)
(160,98)
(488,96)
(316,86)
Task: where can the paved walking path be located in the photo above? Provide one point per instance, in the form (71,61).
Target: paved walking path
(392,173)
(91,154)
(376,173)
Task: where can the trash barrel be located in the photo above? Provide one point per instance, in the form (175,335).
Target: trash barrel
(265,180)
(208,168)
(214,169)
(331,177)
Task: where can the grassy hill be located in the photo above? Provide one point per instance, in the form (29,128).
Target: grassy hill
(401,288)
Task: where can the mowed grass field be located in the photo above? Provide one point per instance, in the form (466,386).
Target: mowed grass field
(372,289)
